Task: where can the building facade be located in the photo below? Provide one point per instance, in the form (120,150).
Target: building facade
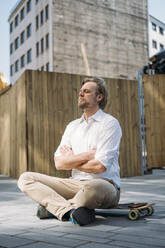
(30,36)
(105,38)
(156,31)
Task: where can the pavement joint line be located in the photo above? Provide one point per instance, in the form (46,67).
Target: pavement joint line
(25,245)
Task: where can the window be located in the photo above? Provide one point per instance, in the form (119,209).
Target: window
(17,66)
(47,12)
(11,27)
(11,48)
(16,20)
(16,43)
(37,22)
(42,68)
(153,26)
(22,37)
(47,41)
(37,49)
(47,66)
(29,30)
(154,44)
(161,30)
(161,47)
(22,61)
(11,70)
(22,14)
(42,45)
(29,55)
(41,17)
(28,6)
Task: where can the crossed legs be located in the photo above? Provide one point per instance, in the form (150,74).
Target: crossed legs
(59,195)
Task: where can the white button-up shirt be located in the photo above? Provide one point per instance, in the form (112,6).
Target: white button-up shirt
(103,133)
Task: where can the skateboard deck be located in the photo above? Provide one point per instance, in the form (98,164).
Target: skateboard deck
(133,210)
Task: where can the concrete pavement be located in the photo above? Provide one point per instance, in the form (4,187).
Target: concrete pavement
(19,226)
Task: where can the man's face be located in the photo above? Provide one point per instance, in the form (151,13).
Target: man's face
(87,96)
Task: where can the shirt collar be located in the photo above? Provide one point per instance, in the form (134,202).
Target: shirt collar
(97,116)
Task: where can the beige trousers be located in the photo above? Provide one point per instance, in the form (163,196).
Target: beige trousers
(60,195)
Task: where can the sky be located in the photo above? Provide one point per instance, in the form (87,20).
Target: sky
(156,9)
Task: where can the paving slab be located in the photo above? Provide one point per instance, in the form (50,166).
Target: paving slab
(19,226)
(51,238)
(128,244)
(148,241)
(12,241)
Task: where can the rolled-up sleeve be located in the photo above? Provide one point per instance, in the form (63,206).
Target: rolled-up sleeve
(109,142)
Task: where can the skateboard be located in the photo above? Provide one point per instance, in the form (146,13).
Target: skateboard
(133,210)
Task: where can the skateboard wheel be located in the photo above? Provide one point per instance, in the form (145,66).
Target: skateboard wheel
(150,210)
(133,215)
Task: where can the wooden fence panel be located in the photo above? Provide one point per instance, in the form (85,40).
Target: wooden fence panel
(124,106)
(49,109)
(42,104)
(5,134)
(13,152)
(154,104)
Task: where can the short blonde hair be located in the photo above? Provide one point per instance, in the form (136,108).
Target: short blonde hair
(101,89)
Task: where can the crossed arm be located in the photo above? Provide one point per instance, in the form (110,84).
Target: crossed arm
(84,161)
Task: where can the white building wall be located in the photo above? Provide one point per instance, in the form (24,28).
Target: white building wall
(155,36)
(36,36)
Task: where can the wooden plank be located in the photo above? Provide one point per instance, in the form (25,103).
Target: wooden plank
(121,118)
(76,85)
(5,134)
(125,137)
(130,139)
(39,147)
(46,136)
(13,131)
(21,127)
(36,164)
(51,86)
(29,120)
(136,165)
(157,120)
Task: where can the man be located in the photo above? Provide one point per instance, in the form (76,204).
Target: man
(90,148)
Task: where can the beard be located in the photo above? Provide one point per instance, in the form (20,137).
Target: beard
(82,104)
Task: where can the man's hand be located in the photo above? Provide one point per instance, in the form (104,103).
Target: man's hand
(91,154)
(92,166)
(66,150)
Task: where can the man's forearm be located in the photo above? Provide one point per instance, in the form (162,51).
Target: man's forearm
(68,162)
(92,166)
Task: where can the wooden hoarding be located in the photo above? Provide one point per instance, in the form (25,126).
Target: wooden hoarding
(38,108)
